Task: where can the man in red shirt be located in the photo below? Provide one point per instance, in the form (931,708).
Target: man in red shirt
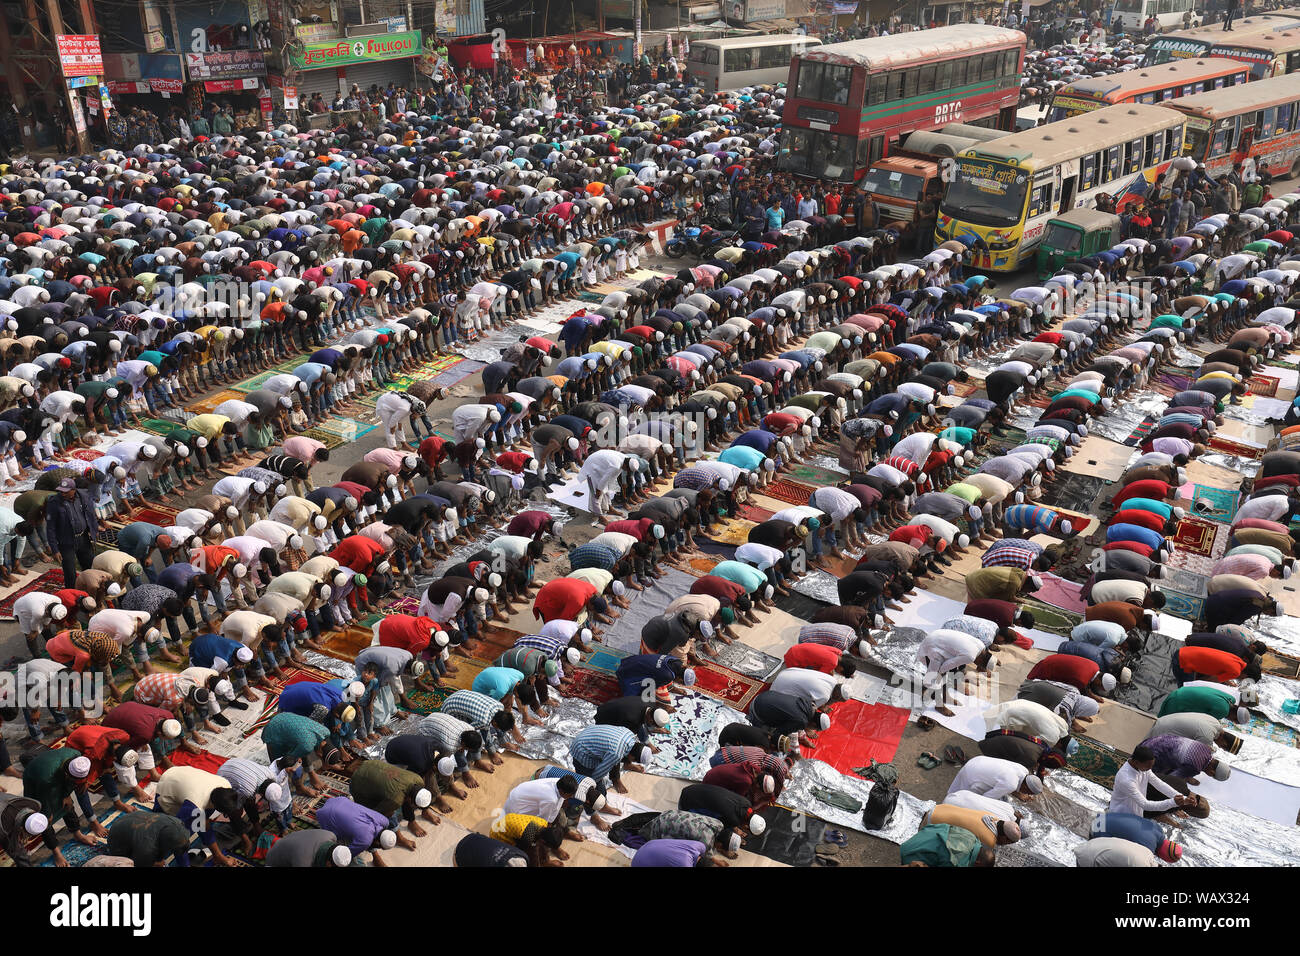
(1209,663)
(820,657)
(1080,673)
(365,556)
(729,594)
(564,599)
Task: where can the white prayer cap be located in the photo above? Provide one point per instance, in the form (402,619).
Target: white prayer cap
(341,856)
(1032,783)
(423,798)
(1125,675)
(36,823)
(79,767)
(1108,682)
(387,839)
(171,728)
(447,766)
(757,825)
(824,721)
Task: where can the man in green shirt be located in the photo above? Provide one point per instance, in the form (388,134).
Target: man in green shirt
(199,126)
(53,778)
(223,124)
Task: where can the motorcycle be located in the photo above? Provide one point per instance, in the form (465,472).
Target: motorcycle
(697,240)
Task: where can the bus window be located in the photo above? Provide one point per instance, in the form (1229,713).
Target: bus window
(1283,119)
(1088,171)
(864,153)
(1221,143)
(1265,129)
(959,72)
(1040,201)
(877,149)
(771,57)
(879,88)
(989,67)
(1010,62)
(1292,62)
(1132,157)
(1173,143)
(896,84)
(926,83)
(911,79)
(738,61)
(1111,169)
(1147,98)
(1221,81)
(825,82)
(1168,94)
(1152,149)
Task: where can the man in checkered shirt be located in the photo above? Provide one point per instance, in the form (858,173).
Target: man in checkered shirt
(486,715)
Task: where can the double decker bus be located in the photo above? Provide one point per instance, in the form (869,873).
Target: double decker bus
(848,104)
(1199,41)
(1004,191)
(1153,84)
(733,63)
(1257,125)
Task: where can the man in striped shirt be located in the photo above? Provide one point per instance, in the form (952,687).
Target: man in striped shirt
(778,768)
(455,738)
(603,751)
(1019,553)
(486,715)
(842,637)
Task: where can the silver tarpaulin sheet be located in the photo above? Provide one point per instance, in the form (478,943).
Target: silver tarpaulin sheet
(1243,466)
(829,462)
(332,664)
(799,794)
(1273,693)
(897,653)
(564,719)
(1282,633)
(1120,422)
(1024,417)
(1267,758)
(1226,838)
(1247,415)
(819,586)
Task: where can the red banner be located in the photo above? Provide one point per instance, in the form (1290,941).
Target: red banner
(79,55)
(160,85)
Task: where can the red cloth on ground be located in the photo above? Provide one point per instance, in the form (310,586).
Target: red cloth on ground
(858,733)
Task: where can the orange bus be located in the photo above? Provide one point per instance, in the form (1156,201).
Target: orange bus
(1152,85)
(1257,125)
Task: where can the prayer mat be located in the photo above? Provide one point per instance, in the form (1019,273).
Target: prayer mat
(752,512)
(328,439)
(1221,501)
(790,838)
(1189,582)
(204,760)
(78,854)
(255,382)
(858,734)
(456,372)
(346,644)
(784,489)
(1054,620)
(1261,726)
(800,604)
(1153,674)
(1139,434)
(289,674)
(727,685)
(746,660)
(467,668)
(48,583)
(603,660)
(1186,560)
(1097,762)
(161,515)
(1281,665)
(305,807)
(405,605)
(964,389)
(1238,449)
(593,686)
(625,633)
(1060,593)
(346,429)
(1196,535)
(494,640)
(1264,385)
(1189,607)
(692,736)
(1169,384)
(702,565)
(161,427)
(731,531)
(206,405)
(1073,490)
(817,477)
(424,702)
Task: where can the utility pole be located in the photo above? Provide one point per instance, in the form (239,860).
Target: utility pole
(56,26)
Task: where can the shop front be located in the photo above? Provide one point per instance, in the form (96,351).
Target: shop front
(330,66)
(229,80)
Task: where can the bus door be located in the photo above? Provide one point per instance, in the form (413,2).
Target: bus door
(1247,136)
(1068,176)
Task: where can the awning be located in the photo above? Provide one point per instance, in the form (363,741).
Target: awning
(774,26)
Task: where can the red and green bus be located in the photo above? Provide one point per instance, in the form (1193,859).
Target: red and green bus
(849,104)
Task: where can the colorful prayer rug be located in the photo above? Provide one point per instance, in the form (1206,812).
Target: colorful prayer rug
(702,564)
(345,429)
(49,582)
(208,403)
(593,686)
(1061,593)
(746,660)
(731,531)
(1052,619)
(815,476)
(426,702)
(204,759)
(1261,726)
(1229,446)
(1265,385)
(692,736)
(1139,434)
(784,489)
(404,605)
(289,674)
(726,685)
(1196,535)
(858,734)
(1281,665)
(603,660)
(752,512)
(345,645)
(1097,762)
(1222,502)
(326,438)
(1189,607)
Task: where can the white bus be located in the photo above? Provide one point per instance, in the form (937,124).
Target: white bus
(732,63)
(1168,13)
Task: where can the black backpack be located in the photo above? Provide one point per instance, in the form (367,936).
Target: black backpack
(881,802)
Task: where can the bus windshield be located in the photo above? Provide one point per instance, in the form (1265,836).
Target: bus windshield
(1128,6)
(824,82)
(887,182)
(1195,137)
(987,193)
(820,155)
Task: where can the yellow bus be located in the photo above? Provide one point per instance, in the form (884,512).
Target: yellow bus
(1269,54)
(1199,41)
(1003,192)
(1153,84)
(1257,125)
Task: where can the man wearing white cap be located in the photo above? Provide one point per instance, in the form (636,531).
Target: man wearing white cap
(193,796)
(252,780)
(394,792)
(20,820)
(360,828)
(56,778)
(549,798)
(308,848)
(602,752)
(996,778)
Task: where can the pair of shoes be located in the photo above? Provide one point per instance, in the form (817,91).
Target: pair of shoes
(928,761)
